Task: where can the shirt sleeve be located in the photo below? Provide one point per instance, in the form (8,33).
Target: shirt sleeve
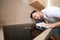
(52,11)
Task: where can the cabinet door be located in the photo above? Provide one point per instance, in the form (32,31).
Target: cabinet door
(37,5)
(17,32)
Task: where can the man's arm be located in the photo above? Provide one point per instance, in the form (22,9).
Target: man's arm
(52,25)
(57,23)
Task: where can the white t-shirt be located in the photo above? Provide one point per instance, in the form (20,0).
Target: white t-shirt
(51,13)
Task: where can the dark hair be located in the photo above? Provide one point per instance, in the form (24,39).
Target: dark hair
(32,13)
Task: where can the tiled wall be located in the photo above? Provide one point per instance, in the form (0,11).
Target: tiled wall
(55,3)
(15,12)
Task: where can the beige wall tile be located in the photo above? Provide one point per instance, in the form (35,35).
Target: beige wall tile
(15,12)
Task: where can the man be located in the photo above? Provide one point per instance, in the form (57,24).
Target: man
(52,15)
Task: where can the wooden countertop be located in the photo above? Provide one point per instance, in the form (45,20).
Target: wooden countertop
(43,35)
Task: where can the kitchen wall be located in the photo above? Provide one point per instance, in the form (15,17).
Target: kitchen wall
(15,12)
(55,3)
(23,10)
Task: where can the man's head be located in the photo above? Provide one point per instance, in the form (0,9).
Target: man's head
(36,14)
